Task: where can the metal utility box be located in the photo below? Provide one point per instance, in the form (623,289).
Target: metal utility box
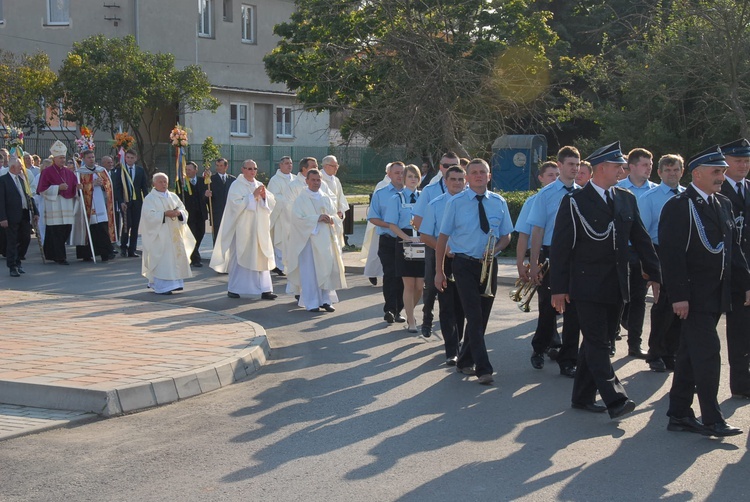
(515,161)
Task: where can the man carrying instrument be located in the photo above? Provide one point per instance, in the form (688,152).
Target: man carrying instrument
(542,220)
(474,241)
(589,256)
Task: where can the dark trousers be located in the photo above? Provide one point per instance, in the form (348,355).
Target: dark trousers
(546,326)
(698,365)
(393,286)
(595,373)
(132,220)
(477,310)
(738,345)
(216,224)
(664,337)
(102,245)
(430,291)
(451,313)
(571,337)
(635,310)
(198,228)
(17,239)
(55,237)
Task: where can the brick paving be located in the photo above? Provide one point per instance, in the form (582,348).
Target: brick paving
(100,344)
(19,420)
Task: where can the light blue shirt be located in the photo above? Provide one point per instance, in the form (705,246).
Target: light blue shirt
(522,224)
(400,208)
(650,206)
(428,193)
(544,210)
(461,221)
(638,192)
(379,204)
(433,215)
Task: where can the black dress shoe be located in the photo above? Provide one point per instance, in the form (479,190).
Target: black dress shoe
(553,353)
(399,318)
(278,272)
(14,272)
(62,262)
(612,350)
(296,297)
(232,295)
(537,361)
(657,365)
(112,256)
(451,361)
(328,308)
(426,331)
(374,281)
(622,409)
(592,407)
(568,371)
(389,317)
(268,295)
(468,370)
(133,255)
(20,269)
(687,424)
(88,259)
(197,265)
(123,253)
(637,352)
(722,429)
(735,395)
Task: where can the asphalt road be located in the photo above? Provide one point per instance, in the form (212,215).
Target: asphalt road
(349,408)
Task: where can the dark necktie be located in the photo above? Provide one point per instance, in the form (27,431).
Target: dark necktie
(484,224)
(413,199)
(674,190)
(21,188)
(715,206)
(609,200)
(741,192)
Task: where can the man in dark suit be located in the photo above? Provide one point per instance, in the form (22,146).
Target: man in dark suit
(16,212)
(589,265)
(735,188)
(131,185)
(700,256)
(220,183)
(194,198)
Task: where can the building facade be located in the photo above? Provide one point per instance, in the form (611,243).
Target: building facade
(227,38)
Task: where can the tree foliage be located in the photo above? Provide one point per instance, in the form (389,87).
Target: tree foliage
(105,82)
(428,74)
(26,84)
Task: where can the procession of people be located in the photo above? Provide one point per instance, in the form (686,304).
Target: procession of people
(596,241)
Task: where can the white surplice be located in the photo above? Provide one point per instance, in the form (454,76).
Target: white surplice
(279,187)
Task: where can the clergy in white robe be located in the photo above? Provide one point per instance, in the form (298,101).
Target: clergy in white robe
(244,247)
(369,253)
(167,240)
(279,187)
(314,252)
(328,175)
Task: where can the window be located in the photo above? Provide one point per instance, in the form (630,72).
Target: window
(58,11)
(284,121)
(205,18)
(238,119)
(248,24)
(228,11)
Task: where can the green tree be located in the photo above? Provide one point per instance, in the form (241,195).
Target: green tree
(26,84)
(428,74)
(105,82)
(210,152)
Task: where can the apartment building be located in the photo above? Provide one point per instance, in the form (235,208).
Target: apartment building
(227,38)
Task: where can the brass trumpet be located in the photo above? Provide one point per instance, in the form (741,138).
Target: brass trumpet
(487,266)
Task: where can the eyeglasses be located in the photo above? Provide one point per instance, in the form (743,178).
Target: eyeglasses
(449,164)
(250,168)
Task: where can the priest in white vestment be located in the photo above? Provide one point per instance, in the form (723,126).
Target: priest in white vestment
(167,240)
(314,252)
(328,174)
(296,187)
(244,247)
(279,187)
